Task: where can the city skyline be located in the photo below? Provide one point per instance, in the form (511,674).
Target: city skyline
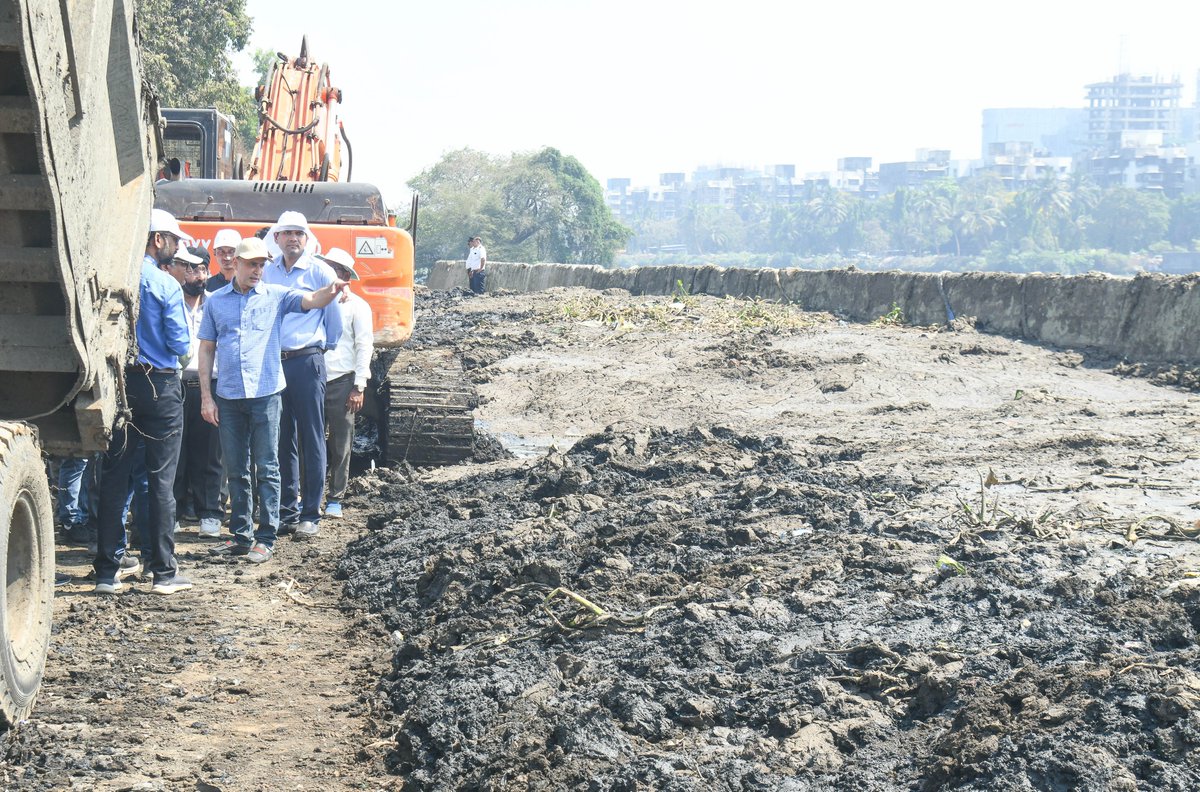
(634,90)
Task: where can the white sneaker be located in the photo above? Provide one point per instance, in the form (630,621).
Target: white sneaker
(210,527)
(170,585)
(109,587)
(178,527)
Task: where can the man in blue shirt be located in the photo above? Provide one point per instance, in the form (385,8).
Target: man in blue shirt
(155,404)
(241,331)
(303,341)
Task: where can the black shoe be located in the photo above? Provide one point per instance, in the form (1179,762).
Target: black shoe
(61,579)
(130,566)
(230,548)
(79,536)
(188,515)
(285,529)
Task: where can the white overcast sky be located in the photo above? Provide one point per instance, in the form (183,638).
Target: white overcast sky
(638,87)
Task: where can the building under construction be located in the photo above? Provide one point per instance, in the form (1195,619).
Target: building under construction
(1130,103)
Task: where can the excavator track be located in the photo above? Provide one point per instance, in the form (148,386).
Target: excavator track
(430,420)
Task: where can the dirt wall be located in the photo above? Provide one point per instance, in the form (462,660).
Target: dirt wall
(1148,318)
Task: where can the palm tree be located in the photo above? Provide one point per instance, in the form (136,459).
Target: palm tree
(1084,197)
(1050,201)
(829,207)
(785,228)
(974,217)
(931,207)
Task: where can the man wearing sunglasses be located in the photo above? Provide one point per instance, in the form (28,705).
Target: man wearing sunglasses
(155,404)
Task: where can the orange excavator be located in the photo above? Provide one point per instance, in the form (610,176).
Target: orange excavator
(419,409)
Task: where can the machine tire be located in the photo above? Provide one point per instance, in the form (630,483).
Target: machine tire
(27,551)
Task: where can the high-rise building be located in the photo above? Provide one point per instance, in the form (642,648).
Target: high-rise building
(1131,103)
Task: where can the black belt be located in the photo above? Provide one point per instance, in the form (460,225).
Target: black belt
(291,353)
(146,368)
(191,382)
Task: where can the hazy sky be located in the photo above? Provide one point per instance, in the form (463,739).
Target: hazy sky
(638,87)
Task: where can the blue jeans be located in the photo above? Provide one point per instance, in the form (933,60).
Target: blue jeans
(138,501)
(250,433)
(73,490)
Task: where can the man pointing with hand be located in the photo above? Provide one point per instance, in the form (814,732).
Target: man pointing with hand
(241,328)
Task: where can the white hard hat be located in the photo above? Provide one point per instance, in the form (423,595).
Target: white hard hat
(161,221)
(184,255)
(227,237)
(290,221)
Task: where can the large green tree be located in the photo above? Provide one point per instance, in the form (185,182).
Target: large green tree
(1185,222)
(1128,220)
(557,205)
(541,206)
(186,49)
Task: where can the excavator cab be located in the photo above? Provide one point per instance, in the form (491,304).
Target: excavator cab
(200,144)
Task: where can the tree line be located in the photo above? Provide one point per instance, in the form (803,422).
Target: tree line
(973,217)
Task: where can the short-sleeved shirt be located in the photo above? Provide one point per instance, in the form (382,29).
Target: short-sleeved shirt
(162,331)
(320,328)
(246,328)
(475,258)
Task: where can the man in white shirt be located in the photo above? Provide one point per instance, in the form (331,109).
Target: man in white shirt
(199,476)
(347,367)
(476,261)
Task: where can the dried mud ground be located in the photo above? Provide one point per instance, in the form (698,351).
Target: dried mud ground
(739,547)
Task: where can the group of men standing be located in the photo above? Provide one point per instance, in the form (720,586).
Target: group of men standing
(237,378)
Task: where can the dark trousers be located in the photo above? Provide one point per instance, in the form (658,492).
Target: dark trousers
(340,422)
(478,279)
(302,440)
(156,405)
(199,477)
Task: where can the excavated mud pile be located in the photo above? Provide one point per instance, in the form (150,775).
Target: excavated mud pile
(704,610)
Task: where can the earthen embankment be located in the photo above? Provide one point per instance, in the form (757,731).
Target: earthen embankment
(1147,318)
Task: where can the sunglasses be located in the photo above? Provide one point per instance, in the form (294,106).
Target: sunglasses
(189,266)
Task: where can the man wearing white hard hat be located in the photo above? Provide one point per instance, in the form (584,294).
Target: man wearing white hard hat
(347,369)
(199,478)
(155,402)
(225,252)
(303,341)
(242,326)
